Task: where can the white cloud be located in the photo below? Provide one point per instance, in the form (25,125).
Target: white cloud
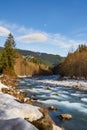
(63,42)
(58,40)
(4,31)
(29,35)
(33,37)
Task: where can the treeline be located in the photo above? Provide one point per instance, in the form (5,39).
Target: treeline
(75,64)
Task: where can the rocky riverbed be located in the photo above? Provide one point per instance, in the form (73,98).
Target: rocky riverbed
(19,115)
(49,91)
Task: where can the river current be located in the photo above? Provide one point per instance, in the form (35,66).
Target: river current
(66,99)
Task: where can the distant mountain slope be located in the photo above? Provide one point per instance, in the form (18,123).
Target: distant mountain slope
(24,67)
(47,59)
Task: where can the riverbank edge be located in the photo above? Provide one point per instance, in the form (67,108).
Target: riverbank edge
(12,84)
(77,84)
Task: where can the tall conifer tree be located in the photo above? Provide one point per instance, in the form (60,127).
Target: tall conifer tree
(9,54)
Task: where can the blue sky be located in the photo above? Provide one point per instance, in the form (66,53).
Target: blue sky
(51,26)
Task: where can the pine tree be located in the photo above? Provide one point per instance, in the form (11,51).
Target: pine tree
(9,54)
(0,62)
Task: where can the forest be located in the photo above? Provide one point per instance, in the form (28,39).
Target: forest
(74,65)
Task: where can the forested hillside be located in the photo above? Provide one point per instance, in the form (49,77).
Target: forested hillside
(24,67)
(44,58)
(75,64)
(13,63)
(47,59)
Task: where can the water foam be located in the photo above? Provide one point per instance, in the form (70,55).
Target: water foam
(84,99)
(77,106)
(49,101)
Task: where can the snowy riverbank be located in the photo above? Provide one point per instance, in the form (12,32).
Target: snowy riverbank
(13,113)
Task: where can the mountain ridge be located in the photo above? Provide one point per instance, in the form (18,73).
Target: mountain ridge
(45,58)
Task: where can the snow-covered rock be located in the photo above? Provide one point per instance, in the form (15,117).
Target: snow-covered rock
(10,108)
(16,124)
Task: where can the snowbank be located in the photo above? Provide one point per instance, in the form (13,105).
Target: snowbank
(10,108)
(16,124)
(12,113)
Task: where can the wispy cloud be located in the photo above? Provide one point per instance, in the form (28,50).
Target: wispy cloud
(30,35)
(4,31)
(33,37)
(58,40)
(63,41)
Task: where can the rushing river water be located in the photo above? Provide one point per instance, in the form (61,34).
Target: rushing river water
(66,99)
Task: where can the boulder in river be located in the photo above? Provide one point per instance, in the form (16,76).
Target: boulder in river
(48,88)
(66,116)
(52,108)
(55,94)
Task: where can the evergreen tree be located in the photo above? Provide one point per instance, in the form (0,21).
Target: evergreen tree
(9,54)
(81,48)
(0,62)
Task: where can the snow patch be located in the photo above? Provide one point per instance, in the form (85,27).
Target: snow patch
(56,127)
(10,108)
(16,124)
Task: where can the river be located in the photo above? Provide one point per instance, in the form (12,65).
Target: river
(66,99)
